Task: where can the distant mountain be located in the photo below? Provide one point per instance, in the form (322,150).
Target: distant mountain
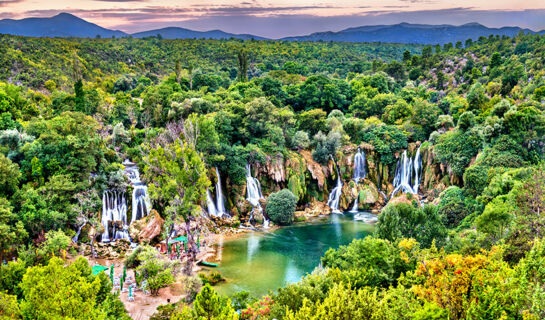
(68,25)
(412,33)
(181,33)
(61,25)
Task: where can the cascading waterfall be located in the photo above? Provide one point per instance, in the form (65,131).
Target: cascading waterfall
(141,205)
(114,209)
(417,163)
(253,195)
(404,180)
(220,205)
(335,195)
(212,210)
(355,206)
(76,237)
(360,168)
(360,172)
(114,206)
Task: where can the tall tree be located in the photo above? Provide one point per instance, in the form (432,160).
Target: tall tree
(177,177)
(242,66)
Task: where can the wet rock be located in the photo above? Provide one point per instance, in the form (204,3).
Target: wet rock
(146,229)
(316,170)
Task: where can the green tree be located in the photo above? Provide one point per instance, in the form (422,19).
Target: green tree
(281,206)
(397,221)
(58,292)
(242,66)
(177,176)
(207,305)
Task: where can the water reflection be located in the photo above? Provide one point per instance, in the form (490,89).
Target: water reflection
(260,262)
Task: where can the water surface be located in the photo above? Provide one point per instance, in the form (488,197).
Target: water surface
(259,262)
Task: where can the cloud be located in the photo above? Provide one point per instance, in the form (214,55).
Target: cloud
(5,3)
(282,21)
(121,0)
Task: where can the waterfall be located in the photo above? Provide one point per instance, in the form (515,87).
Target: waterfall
(355,207)
(253,195)
(210,204)
(114,209)
(141,205)
(417,163)
(407,174)
(335,195)
(360,172)
(76,237)
(360,169)
(220,205)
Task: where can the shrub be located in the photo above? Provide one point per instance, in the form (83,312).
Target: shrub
(397,221)
(281,206)
(379,260)
(300,140)
(452,206)
(326,145)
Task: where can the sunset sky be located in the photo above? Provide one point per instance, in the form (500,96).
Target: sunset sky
(281,17)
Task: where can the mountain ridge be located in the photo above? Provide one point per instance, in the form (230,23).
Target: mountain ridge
(68,25)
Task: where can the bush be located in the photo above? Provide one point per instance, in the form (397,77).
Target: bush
(156,270)
(211,278)
(397,221)
(452,206)
(300,140)
(281,206)
(378,259)
(326,145)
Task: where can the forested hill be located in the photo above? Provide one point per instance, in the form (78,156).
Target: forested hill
(413,33)
(61,25)
(68,25)
(32,61)
(291,115)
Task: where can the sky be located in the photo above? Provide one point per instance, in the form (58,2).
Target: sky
(280,18)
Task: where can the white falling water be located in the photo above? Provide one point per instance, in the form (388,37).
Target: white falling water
(404,180)
(212,210)
(355,207)
(360,168)
(220,205)
(76,237)
(253,195)
(417,164)
(360,172)
(141,204)
(335,195)
(114,209)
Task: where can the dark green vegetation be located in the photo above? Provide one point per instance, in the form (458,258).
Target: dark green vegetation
(74,109)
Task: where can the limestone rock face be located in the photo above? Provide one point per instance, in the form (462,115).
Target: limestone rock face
(316,208)
(318,172)
(145,230)
(275,169)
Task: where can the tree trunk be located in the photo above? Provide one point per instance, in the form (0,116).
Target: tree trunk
(191,248)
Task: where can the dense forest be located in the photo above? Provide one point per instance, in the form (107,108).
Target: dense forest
(462,242)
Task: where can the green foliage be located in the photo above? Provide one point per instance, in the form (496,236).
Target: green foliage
(281,207)
(457,148)
(156,270)
(326,146)
(453,207)
(207,305)
(377,259)
(56,291)
(397,221)
(387,141)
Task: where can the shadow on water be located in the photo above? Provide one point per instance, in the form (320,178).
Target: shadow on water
(259,262)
